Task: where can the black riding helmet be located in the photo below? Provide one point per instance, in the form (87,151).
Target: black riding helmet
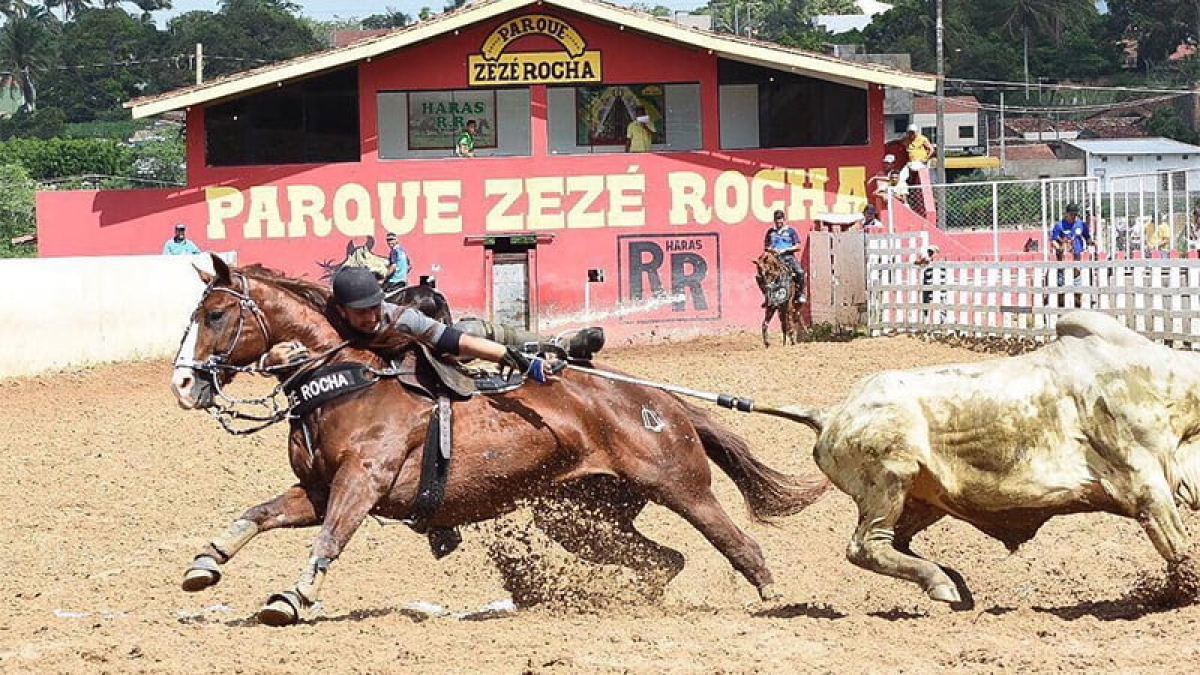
(356,288)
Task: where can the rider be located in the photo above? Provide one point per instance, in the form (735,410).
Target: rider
(358,300)
(785,242)
(396,276)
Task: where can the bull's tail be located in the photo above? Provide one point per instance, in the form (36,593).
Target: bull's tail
(769,494)
(813,418)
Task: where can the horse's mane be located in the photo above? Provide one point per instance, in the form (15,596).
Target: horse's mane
(770,266)
(314,294)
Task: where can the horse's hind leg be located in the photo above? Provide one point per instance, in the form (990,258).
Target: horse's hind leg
(293,508)
(597,526)
(699,506)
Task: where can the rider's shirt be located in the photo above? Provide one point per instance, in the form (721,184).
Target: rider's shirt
(411,321)
(399,258)
(779,239)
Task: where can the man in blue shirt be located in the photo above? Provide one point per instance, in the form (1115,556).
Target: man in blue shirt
(180,244)
(396,276)
(1071,234)
(785,241)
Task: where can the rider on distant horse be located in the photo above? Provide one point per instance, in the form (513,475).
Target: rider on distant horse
(785,242)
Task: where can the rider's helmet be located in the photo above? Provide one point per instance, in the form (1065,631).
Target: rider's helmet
(1073,208)
(356,288)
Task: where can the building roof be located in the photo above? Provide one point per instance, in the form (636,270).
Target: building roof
(1031,151)
(731,47)
(1134,146)
(927,105)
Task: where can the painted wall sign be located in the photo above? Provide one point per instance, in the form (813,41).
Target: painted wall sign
(672,277)
(495,66)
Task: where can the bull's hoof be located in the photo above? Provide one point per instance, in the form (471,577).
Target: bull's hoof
(945,593)
(767,593)
(282,609)
(202,573)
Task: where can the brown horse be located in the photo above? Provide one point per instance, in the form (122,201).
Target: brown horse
(599,447)
(782,295)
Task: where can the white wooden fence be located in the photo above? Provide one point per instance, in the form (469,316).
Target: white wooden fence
(1158,298)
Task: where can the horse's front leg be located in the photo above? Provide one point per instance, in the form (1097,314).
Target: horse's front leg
(293,508)
(355,491)
(766,325)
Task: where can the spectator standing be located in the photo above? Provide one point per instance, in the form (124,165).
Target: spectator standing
(639,135)
(399,264)
(932,275)
(919,151)
(180,244)
(464,146)
(1071,234)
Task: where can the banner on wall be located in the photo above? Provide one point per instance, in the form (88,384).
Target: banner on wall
(603,114)
(436,118)
(670,277)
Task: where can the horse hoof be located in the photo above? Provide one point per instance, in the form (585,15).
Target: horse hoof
(202,573)
(945,593)
(280,610)
(769,594)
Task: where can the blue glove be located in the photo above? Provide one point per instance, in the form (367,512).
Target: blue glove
(538,370)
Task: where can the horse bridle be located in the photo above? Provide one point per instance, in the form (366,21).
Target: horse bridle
(218,362)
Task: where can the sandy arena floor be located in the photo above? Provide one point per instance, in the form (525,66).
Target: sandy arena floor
(109,489)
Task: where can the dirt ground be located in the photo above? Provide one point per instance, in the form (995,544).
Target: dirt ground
(109,489)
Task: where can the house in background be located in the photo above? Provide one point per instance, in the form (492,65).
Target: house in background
(964,130)
(1109,158)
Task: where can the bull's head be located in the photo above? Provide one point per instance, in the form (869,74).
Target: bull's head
(227,330)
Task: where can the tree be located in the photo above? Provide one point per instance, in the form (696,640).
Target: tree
(1167,123)
(243,34)
(17,192)
(108,57)
(27,50)
(391,18)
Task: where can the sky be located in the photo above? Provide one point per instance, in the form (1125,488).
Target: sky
(327,10)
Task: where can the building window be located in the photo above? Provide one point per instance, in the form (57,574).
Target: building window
(311,121)
(1103,159)
(427,124)
(1158,158)
(966,132)
(1129,158)
(759,109)
(899,125)
(596,119)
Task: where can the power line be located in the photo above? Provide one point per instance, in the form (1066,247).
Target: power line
(1000,84)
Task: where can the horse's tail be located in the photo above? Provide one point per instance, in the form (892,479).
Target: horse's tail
(769,494)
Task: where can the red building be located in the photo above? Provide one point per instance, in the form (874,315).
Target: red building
(297,164)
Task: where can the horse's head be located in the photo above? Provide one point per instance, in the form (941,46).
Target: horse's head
(774,278)
(228,329)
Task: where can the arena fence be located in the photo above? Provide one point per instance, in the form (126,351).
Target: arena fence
(1158,298)
(62,313)
(1133,215)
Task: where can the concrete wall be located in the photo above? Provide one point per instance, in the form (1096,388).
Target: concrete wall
(60,313)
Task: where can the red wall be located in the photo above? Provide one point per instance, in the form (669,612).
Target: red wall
(691,220)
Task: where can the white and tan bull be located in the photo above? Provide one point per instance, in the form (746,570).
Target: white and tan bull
(1100,419)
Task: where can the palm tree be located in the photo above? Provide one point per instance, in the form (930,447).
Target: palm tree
(1048,17)
(26,51)
(70,8)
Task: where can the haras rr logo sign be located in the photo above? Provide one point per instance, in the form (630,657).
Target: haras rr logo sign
(494,66)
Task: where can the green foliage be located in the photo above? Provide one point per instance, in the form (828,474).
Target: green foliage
(390,19)
(58,157)
(162,161)
(17,192)
(41,123)
(1166,122)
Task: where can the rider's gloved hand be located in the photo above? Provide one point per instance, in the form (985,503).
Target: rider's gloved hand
(536,368)
(285,354)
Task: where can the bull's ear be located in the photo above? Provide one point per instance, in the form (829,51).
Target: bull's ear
(370,243)
(350,247)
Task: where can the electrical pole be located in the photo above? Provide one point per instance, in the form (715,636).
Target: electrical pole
(199,63)
(939,193)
